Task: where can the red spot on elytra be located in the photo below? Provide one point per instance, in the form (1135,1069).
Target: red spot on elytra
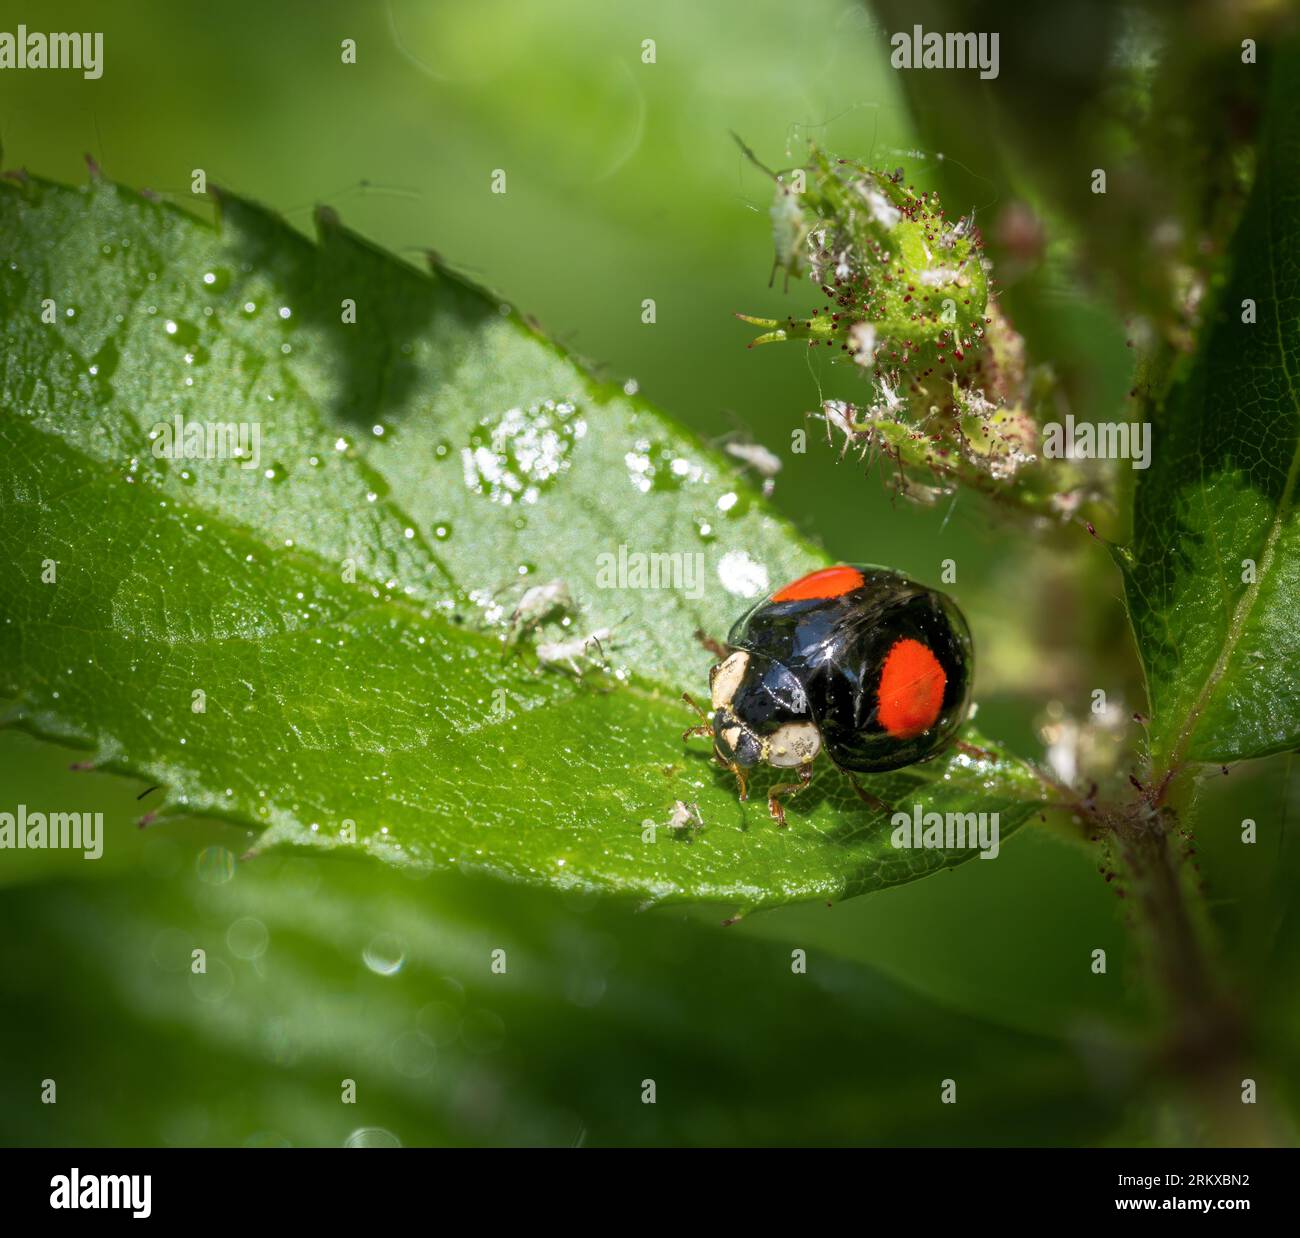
(910,694)
(827,582)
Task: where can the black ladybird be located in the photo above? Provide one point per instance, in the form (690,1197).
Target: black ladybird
(860,661)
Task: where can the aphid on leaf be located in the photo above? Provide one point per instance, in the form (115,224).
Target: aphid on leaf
(789,234)
(843,417)
(791,228)
(860,661)
(539,603)
(757,457)
(574,654)
(685,816)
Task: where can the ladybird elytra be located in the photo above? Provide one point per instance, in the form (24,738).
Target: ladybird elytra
(826,582)
(910,693)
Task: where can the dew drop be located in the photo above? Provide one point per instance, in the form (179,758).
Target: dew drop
(215,865)
(247,938)
(515,457)
(385,954)
(372,1137)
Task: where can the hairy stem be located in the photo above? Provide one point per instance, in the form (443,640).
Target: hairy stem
(1206,1046)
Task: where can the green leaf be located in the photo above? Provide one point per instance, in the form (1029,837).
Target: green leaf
(1221,650)
(341,607)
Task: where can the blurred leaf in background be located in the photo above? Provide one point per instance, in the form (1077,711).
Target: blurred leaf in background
(317,971)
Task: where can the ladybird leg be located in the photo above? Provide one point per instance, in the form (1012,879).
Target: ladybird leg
(872,801)
(972,751)
(697,732)
(789,790)
(716,648)
(742,783)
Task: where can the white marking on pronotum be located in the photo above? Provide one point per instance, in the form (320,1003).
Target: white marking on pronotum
(726,678)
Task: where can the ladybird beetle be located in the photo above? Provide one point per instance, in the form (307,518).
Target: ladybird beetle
(860,661)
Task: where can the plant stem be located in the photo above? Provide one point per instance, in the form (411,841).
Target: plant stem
(1206,1046)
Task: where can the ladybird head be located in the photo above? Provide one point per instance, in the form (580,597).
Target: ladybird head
(737,744)
(760,714)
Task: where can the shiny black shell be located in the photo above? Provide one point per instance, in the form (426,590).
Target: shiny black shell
(822,658)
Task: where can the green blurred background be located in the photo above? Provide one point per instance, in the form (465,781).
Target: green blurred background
(623,183)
